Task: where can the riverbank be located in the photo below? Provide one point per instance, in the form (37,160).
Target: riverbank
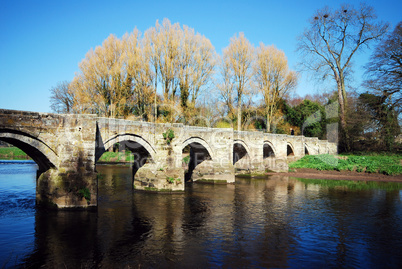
(386,168)
(389,164)
(374,167)
(12,153)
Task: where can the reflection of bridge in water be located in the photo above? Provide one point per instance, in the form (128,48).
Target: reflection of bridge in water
(66,148)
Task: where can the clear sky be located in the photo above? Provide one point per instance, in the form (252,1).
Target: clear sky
(42,42)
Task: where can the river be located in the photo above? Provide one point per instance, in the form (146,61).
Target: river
(274,222)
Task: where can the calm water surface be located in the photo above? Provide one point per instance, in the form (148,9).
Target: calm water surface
(277,222)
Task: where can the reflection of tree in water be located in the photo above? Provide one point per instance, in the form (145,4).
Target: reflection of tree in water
(130,242)
(57,234)
(262,236)
(271,222)
(122,229)
(195,212)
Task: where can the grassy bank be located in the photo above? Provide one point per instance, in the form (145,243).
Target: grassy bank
(383,164)
(13,153)
(108,157)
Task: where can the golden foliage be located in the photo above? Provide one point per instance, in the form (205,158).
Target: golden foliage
(273,78)
(237,61)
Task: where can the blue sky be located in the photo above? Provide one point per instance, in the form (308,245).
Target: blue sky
(42,42)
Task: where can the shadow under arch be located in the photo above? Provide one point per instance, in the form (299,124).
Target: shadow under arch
(289,150)
(135,140)
(306,150)
(141,149)
(268,150)
(41,153)
(240,150)
(198,151)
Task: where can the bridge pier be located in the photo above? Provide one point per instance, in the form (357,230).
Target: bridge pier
(162,174)
(71,181)
(59,188)
(214,172)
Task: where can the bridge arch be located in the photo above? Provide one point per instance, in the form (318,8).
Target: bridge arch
(268,150)
(142,150)
(289,150)
(138,143)
(306,149)
(197,140)
(240,150)
(41,153)
(198,151)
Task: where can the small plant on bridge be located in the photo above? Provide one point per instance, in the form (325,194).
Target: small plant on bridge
(171,180)
(168,136)
(84,192)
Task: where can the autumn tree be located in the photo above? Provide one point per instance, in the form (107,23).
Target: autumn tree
(238,58)
(109,76)
(101,78)
(331,41)
(182,61)
(61,98)
(226,88)
(196,67)
(273,78)
(152,49)
(384,71)
(139,76)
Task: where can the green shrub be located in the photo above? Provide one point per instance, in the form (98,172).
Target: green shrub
(186,159)
(168,136)
(84,192)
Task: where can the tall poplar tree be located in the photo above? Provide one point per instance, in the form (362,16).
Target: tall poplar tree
(273,78)
(238,56)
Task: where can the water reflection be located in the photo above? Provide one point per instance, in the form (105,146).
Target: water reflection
(276,222)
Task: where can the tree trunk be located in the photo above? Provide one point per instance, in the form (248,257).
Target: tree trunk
(156,87)
(268,123)
(344,141)
(239,113)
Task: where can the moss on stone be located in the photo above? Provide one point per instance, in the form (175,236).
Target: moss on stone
(211,181)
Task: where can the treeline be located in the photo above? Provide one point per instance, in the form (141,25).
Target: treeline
(173,74)
(123,77)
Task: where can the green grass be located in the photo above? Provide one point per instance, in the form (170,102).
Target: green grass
(186,159)
(383,164)
(12,153)
(117,157)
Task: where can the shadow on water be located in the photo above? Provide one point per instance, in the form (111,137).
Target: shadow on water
(270,222)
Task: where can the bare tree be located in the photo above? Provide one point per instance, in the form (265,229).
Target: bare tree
(329,44)
(384,70)
(61,98)
(273,78)
(238,56)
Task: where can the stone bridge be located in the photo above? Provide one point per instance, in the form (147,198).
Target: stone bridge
(67,147)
